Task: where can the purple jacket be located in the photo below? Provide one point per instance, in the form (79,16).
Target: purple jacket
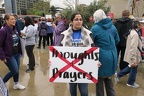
(57,31)
(6,43)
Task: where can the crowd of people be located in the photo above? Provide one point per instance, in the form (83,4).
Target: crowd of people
(120,38)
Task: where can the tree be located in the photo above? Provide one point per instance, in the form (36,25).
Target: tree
(41,7)
(67,13)
(53,10)
(87,11)
(70,4)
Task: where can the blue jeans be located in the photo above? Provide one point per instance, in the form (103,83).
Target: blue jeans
(132,75)
(83,88)
(13,64)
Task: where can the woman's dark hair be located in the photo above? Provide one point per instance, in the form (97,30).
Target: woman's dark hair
(135,24)
(35,20)
(28,21)
(74,14)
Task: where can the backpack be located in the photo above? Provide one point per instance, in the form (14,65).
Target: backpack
(49,29)
(126,34)
(43,29)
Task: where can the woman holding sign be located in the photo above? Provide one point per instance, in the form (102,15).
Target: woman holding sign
(77,36)
(105,37)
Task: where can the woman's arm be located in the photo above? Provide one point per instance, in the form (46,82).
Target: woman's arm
(60,28)
(2,41)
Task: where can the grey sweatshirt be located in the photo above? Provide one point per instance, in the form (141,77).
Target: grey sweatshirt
(30,35)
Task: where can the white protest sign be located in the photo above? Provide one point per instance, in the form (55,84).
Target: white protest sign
(3,88)
(73,64)
(48,16)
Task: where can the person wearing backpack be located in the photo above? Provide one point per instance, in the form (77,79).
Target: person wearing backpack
(132,55)
(49,32)
(42,32)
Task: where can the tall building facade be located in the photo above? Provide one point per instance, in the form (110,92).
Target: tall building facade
(24,5)
(2,10)
(21,6)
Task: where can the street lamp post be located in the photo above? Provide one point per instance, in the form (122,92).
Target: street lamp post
(8,6)
(76,4)
(133,6)
(15,6)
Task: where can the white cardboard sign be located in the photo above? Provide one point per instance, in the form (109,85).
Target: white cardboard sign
(73,64)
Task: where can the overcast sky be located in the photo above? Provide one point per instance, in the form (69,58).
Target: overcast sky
(59,3)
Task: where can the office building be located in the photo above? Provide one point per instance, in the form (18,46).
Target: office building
(2,10)
(21,5)
(24,5)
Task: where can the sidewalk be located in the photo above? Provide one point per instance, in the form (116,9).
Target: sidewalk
(37,84)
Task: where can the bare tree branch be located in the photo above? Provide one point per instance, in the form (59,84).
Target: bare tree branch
(69,3)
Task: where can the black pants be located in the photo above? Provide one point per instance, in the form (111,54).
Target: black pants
(50,39)
(44,40)
(107,84)
(30,54)
(123,64)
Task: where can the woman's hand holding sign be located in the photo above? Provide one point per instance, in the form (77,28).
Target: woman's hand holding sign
(49,62)
(99,64)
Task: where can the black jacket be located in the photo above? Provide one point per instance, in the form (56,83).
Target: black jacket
(123,25)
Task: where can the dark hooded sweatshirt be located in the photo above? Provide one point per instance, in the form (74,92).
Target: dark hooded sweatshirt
(123,25)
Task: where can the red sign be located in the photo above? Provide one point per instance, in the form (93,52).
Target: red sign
(111,14)
(142,32)
(91,19)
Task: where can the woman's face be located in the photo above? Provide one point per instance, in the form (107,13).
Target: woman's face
(57,19)
(140,26)
(77,22)
(11,21)
(24,21)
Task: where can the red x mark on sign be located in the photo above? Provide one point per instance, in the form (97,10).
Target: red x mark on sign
(72,64)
